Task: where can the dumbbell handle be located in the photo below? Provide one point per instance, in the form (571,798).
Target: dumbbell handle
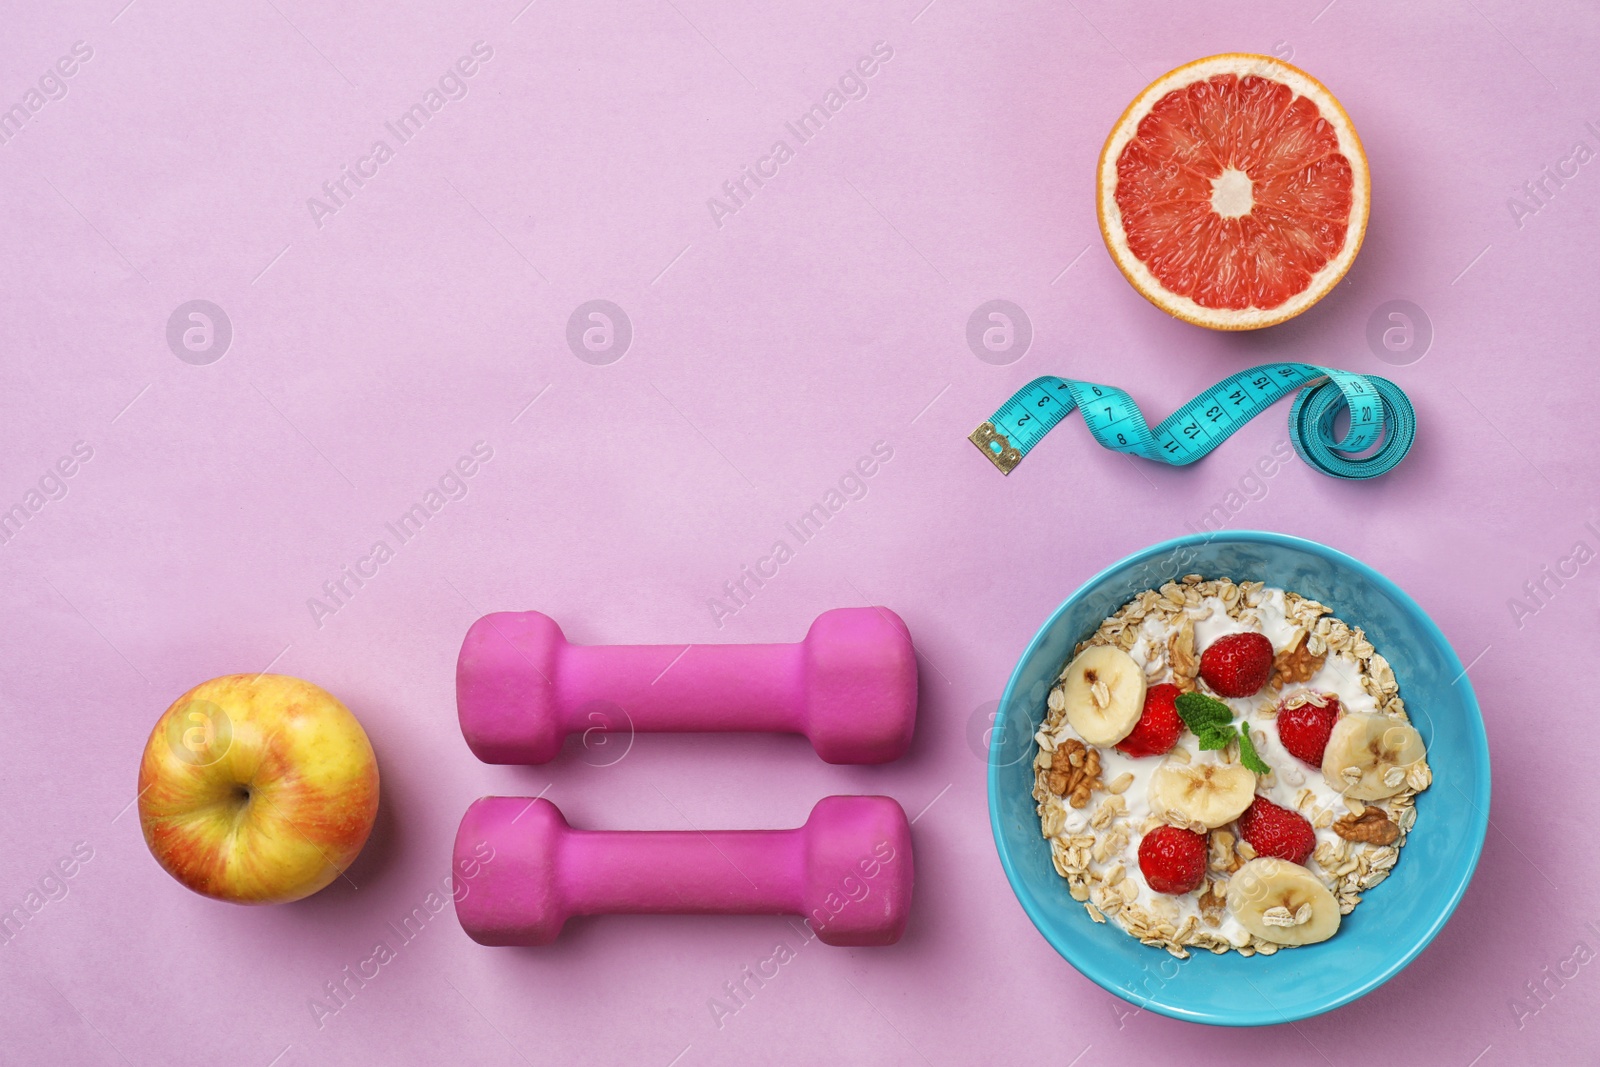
(737,872)
(684,687)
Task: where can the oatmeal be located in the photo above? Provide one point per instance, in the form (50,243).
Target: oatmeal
(1226,767)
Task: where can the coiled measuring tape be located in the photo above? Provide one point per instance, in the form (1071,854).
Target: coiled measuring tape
(1379,411)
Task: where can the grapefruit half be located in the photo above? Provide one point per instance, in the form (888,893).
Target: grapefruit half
(1233,192)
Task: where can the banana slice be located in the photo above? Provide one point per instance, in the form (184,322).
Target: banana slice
(1206,794)
(1370,757)
(1104,693)
(1282,902)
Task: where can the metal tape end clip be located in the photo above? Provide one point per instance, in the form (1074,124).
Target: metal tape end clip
(994,445)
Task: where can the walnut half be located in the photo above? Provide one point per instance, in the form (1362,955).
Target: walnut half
(1295,665)
(1373,827)
(1074,772)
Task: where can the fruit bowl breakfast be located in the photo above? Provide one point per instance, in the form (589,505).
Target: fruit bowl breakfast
(1217,749)
(1226,767)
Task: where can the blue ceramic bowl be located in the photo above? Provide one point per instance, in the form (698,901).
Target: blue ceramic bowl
(1396,920)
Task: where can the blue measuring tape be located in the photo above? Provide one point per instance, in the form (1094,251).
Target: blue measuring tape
(1379,411)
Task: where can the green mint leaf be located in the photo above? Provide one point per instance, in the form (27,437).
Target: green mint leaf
(1214,737)
(1248,755)
(1199,711)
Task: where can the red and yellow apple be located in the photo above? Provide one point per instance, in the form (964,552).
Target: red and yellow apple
(257,789)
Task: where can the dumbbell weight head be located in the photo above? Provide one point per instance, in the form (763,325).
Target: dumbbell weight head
(861,685)
(506,693)
(859,873)
(516,897)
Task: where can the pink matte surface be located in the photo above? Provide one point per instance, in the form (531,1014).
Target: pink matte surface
(768,355)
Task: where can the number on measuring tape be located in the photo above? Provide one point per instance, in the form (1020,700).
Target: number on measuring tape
(1377,409)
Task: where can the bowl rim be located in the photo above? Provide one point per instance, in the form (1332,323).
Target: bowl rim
(1101,974)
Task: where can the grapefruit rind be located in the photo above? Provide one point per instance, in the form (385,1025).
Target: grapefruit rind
(1140,276)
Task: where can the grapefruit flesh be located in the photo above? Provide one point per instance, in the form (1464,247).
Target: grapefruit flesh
(1233,192)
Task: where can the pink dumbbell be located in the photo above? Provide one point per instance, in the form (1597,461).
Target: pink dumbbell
(848,870)
(850,686)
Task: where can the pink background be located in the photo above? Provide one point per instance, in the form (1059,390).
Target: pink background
(768,355)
